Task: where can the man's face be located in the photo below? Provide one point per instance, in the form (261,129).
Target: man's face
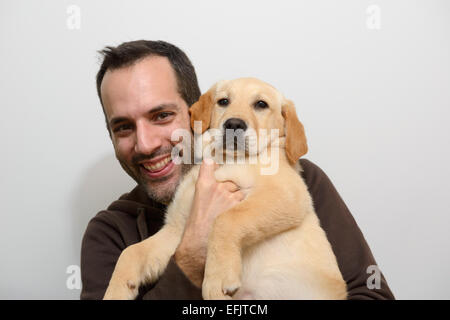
(143,108)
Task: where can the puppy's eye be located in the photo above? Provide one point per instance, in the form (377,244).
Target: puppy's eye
(223,102)
(261,104)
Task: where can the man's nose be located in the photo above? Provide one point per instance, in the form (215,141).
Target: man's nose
(147,140)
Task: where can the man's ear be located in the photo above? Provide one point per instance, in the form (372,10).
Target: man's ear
(296,145)
(201,111)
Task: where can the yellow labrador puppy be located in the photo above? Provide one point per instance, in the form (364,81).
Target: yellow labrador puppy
(270,245)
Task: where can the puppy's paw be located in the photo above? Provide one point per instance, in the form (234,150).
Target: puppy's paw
(212,290)
(231,286)
(121,291)
(220,285)
(127,276)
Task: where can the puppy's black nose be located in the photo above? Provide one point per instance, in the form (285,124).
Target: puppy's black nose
(235,124)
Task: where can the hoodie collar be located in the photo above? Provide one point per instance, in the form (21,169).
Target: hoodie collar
(147,211)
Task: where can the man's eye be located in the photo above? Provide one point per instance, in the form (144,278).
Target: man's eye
(261,104)
(122,127)
(163,115)
(223,102)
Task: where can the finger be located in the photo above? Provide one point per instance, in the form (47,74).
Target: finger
(230,186)
(207,169)
(238,196)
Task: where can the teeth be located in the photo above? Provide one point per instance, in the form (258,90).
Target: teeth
(158,165)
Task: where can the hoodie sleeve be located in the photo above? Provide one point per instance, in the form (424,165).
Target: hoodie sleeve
(100,250)
(347,241)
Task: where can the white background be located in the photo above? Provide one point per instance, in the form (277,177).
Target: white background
(375,105)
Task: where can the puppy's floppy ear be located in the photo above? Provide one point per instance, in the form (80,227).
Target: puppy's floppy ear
(296,145)
(201,111)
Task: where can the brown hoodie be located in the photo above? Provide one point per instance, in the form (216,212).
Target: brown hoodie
(134,217)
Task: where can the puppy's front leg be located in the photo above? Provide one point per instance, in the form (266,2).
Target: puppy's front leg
(251,221)
(145,261)
(142,263)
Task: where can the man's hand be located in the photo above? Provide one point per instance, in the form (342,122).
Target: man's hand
(211,199)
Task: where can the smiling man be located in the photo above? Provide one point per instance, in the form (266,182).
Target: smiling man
(143,107)
(146,89)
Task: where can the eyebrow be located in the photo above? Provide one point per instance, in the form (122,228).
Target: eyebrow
(156,109)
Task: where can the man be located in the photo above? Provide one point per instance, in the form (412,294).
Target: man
(146,89)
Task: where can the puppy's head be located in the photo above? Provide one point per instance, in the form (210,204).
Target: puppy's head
(243,108)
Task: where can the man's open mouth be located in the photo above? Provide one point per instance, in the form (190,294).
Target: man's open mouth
(157,169)
(152,167)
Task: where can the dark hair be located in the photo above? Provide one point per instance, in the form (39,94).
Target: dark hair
(128,53)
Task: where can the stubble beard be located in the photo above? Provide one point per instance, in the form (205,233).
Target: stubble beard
(163,190)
